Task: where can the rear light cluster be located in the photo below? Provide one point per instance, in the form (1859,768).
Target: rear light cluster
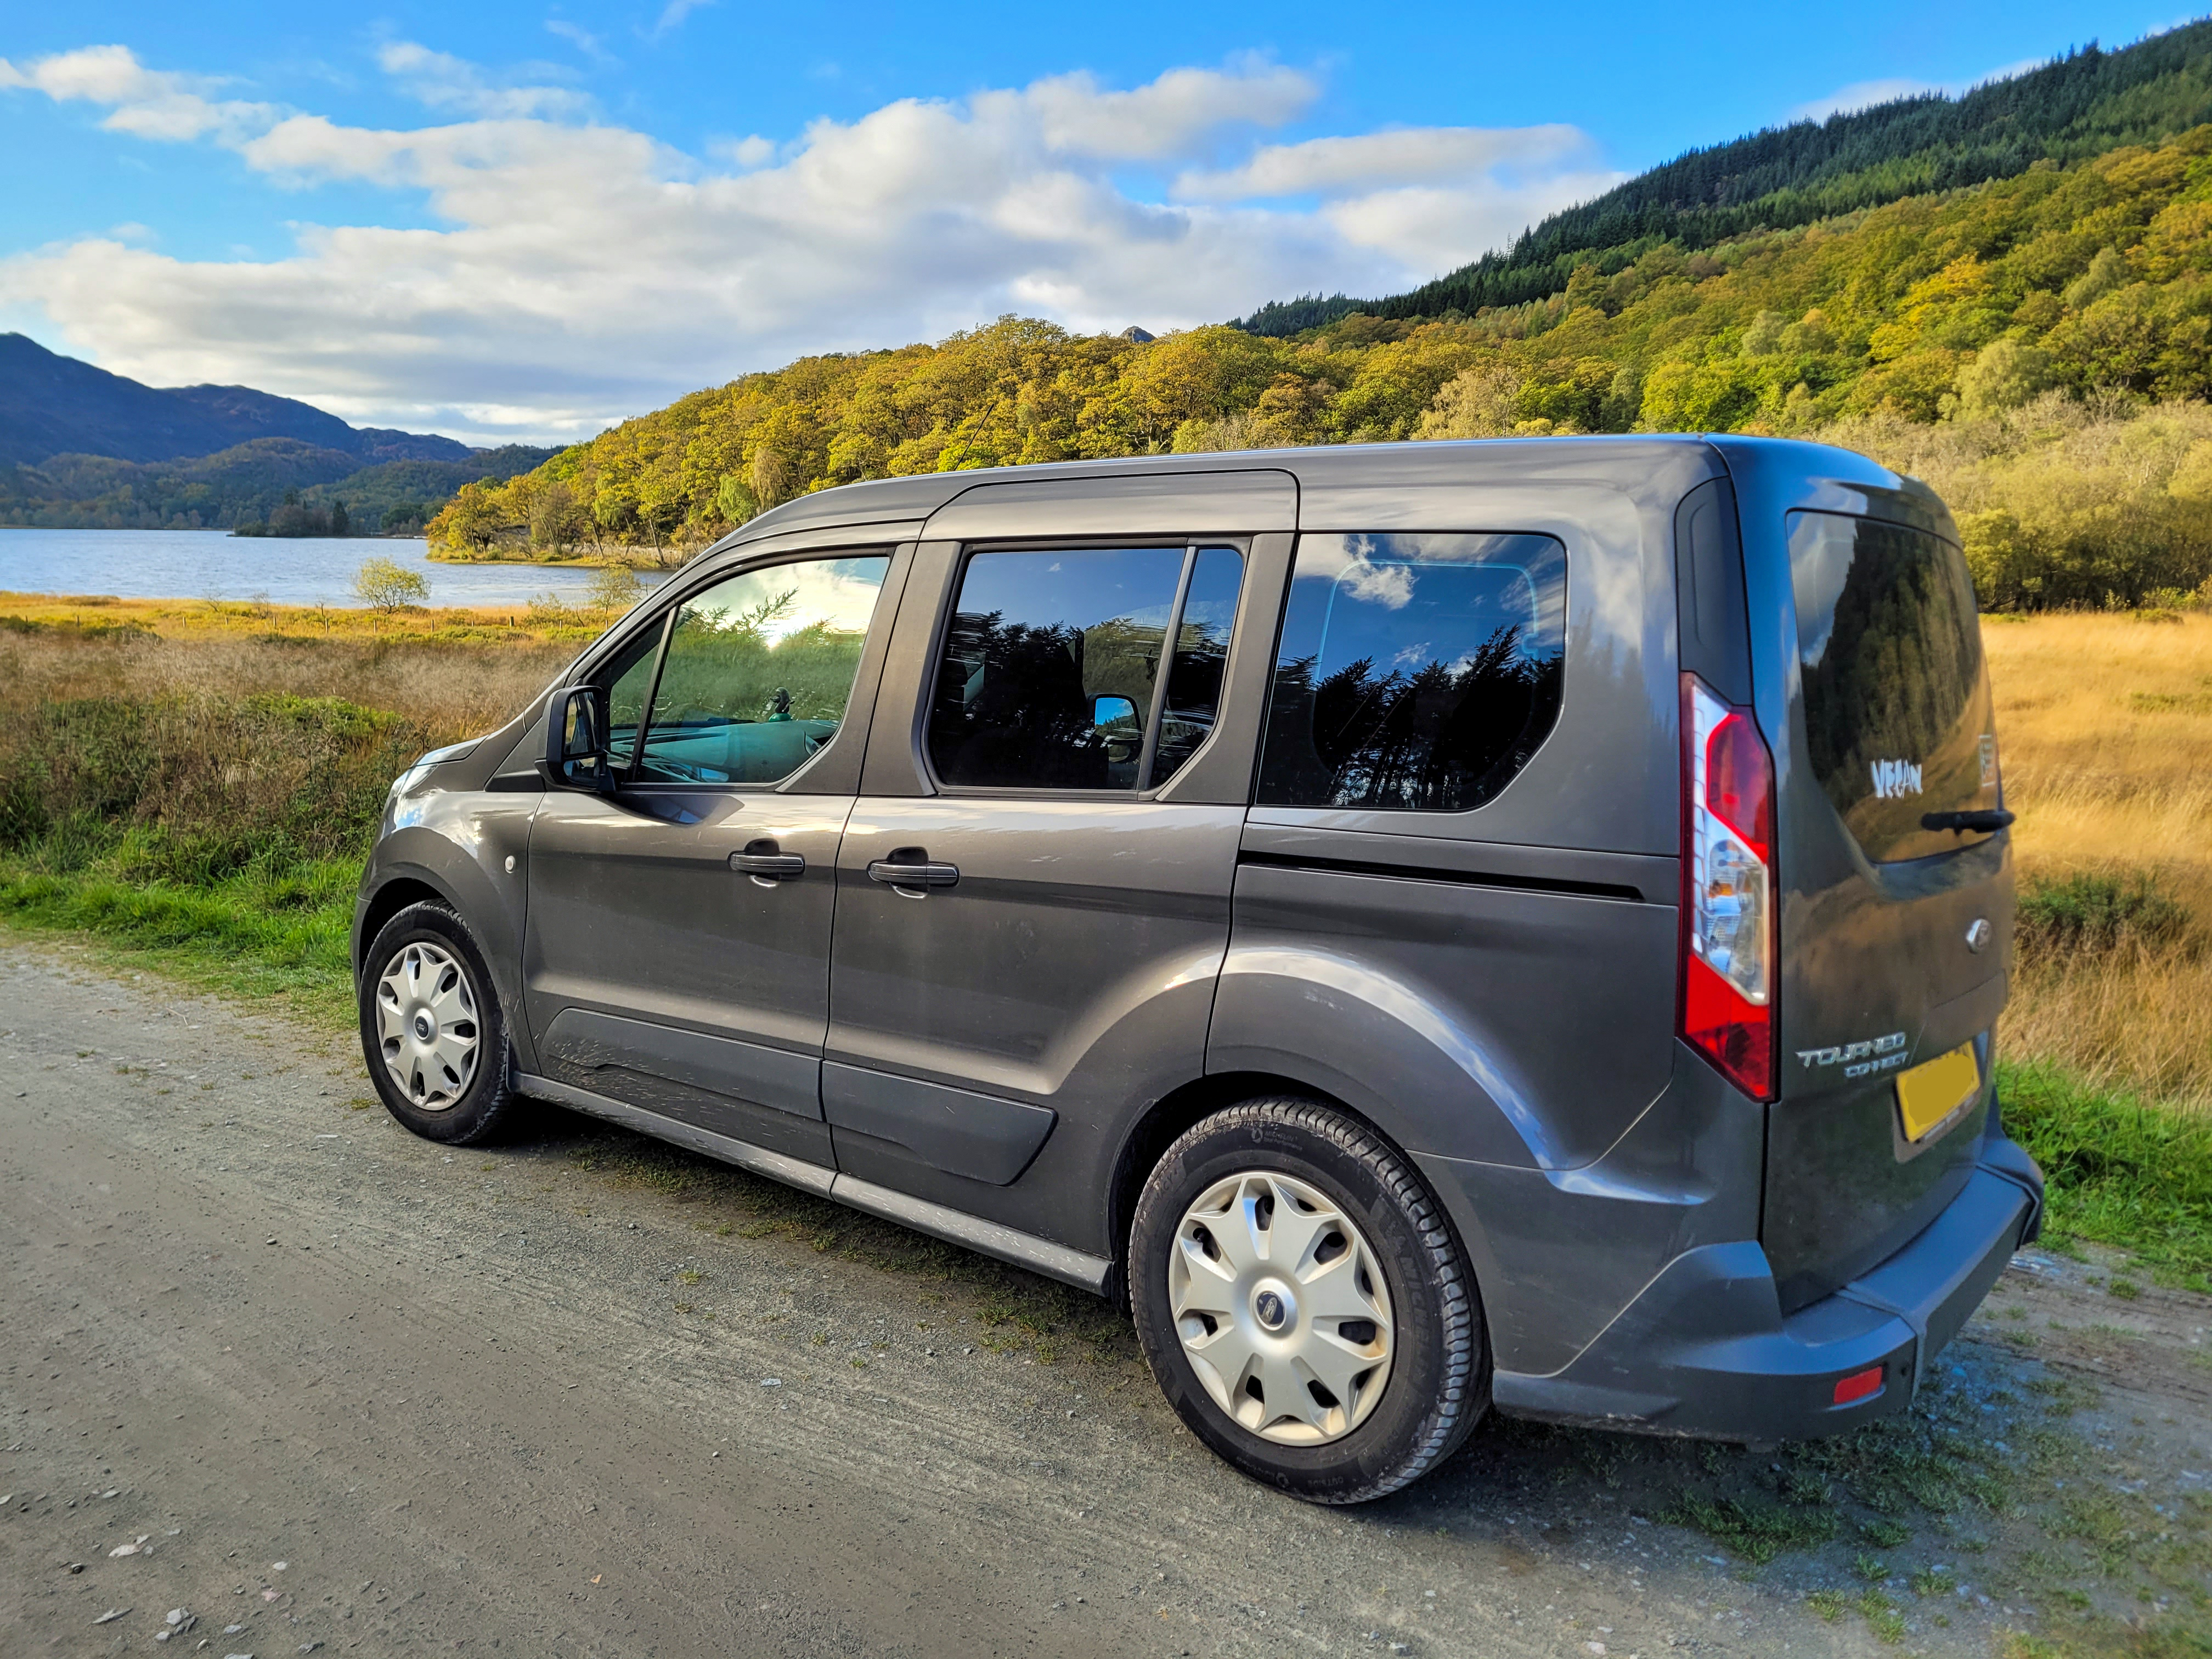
(1727,889)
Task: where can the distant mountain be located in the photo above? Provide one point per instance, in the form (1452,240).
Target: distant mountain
(245,483)
(2082,105)
(54,405)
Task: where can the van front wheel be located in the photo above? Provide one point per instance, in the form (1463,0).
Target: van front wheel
(1303,1305)
(432,1029)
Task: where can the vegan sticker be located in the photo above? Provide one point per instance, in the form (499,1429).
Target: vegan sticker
(1893,780)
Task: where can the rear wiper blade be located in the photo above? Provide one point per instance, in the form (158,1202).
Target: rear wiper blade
(1986,823)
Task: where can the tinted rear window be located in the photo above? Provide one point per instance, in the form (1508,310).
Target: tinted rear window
(1416,672)
(1050,676)
(1897,699)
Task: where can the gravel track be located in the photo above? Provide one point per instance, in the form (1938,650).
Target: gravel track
(251,1324)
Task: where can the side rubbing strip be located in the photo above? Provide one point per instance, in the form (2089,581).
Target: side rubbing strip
(1599,890)
(792,1171)
(1072,1266)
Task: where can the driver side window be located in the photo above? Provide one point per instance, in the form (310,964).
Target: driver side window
(755,674)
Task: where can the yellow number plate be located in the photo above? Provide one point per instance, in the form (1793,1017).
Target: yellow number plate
(1935,1089)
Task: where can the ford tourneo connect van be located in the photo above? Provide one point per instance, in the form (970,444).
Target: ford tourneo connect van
(1439,927)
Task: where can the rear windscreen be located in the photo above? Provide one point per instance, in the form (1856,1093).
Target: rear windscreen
(1897,700)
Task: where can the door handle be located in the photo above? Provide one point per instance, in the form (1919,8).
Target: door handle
(911,871)
(765,863)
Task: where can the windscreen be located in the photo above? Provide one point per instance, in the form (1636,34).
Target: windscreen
(1898,722)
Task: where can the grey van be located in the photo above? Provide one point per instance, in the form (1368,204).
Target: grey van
(1438,928)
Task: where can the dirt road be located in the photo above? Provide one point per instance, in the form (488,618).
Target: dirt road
(272,1365)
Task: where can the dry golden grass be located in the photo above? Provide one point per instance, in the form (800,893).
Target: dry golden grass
(2104,727)
(252,619)
(2104,723)
(449,688)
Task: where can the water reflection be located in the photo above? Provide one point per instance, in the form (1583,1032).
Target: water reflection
(201,564)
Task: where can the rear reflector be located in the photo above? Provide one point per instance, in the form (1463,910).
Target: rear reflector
(1859,1385)
(1727,889)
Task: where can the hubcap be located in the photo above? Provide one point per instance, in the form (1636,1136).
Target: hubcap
(1282,1308)
(426,1023)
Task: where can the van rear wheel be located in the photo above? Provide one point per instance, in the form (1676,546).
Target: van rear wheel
(1303,1305)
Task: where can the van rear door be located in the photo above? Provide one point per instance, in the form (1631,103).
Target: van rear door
(1896,915)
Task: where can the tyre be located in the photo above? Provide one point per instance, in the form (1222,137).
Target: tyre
(432,1029)
(1303,1305)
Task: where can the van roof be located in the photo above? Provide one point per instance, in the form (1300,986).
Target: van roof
(1625,460)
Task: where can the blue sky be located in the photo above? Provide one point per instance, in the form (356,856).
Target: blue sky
(525,221)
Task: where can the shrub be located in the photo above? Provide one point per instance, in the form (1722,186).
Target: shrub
(189,789)
(612,587)
(2095,912)
(386,585)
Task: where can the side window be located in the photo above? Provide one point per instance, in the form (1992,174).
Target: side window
(627,692)
(1209,615)
(1416,672)
(757,671)
(1051,672)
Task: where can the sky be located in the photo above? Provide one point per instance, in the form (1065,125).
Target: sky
(524,222)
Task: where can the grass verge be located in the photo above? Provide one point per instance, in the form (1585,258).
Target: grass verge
(2123,1171)
(228,939)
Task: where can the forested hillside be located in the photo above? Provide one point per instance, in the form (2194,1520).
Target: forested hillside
(2082,105)
(2062,301)
(247,483)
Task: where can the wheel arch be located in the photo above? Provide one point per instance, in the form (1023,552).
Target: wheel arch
(388,902)
(1181,1109)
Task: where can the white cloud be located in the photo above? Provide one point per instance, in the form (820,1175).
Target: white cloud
(582,271)
(673,14)
(148,103)
(580,38)
(1162,120)
(1865,95)
(748,152)
(1434,198)
(1412,155)
(441,81)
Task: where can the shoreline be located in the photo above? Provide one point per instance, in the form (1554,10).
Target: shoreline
(106,617)
(600,557)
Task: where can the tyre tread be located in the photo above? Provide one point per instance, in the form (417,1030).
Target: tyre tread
(1461,1395)
(495,1116)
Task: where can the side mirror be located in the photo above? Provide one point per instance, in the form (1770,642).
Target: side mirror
(576,739)
(1107,710)
(1116,723)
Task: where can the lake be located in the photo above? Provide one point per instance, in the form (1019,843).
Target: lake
(201,564)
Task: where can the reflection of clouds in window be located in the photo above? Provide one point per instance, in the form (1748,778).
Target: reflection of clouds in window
(1374,706)
(1349,563)
(835,595)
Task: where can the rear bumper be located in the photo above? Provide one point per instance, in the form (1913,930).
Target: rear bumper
(1705,1352)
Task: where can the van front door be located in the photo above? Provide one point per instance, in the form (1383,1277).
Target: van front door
(676,952)
(1027,957)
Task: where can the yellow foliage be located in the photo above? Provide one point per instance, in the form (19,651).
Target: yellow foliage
(1957,310)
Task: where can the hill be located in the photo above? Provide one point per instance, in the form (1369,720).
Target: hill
(2047,338)
(245,484)
(54,405)
(2076,106)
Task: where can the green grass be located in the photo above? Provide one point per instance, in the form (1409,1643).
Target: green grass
(235,937)
(2123,1171)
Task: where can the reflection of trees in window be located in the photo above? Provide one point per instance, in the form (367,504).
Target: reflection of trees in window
(1442,738)
(725,665)
(1901,663)
(1011,706)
